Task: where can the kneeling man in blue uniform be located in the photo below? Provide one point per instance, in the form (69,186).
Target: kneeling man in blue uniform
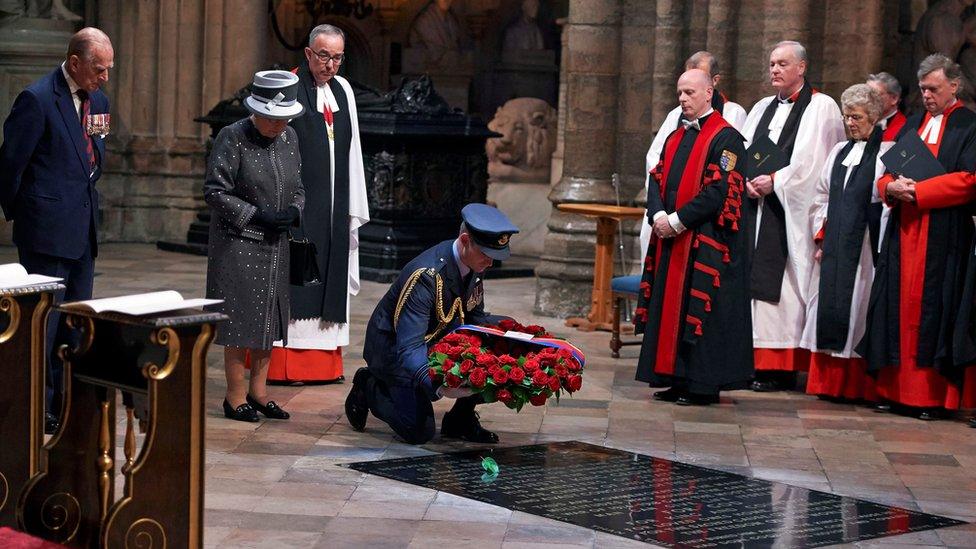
(437,291)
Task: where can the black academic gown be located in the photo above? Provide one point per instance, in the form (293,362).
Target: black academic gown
(714,333)
(849,213)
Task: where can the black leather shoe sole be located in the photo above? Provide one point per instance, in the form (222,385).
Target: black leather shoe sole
(668,395)
(244,412)
(696,400)
(357,407)
(765,386)
(467,430)
(271,410)
(932,414)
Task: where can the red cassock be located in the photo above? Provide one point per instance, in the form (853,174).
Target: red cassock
(913,317)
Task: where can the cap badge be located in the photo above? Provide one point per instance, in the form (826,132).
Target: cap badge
(503,239)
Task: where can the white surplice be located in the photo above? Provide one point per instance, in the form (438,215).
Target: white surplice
(780,325)
(313,333)
(865,265)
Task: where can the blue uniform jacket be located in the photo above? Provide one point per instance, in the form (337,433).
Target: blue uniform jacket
(46,185)
(426,302)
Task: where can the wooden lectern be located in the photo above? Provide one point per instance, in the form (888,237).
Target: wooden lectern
(601,300)
(23,328)
(162,357)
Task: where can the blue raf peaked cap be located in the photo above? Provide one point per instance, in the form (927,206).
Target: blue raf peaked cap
(490,229)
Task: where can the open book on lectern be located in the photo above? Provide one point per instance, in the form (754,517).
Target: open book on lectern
(14,275)
(141,304)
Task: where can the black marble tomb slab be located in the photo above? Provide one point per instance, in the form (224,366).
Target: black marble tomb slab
(654,500)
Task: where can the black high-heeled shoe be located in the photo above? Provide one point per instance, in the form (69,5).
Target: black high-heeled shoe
(244,412)
(270,410)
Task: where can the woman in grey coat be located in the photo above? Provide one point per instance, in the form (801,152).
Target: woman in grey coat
(254,190)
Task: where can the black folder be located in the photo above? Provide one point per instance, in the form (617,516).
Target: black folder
(911,158)
(765,158)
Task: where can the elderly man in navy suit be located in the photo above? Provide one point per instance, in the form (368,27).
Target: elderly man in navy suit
(436,292)
(50,159)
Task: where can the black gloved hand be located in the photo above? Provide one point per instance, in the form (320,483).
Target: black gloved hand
(265,219)
(286,218)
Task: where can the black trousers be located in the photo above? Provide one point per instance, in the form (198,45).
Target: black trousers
(78,275)
(407,409)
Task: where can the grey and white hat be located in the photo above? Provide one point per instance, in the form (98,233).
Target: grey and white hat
(274,94)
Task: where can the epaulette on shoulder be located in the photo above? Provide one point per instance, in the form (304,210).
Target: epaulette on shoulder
(408,287)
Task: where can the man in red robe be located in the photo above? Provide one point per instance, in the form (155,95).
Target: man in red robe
(693,307)
(912,325)
(889,89)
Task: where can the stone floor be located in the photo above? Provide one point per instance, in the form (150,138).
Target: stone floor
(278,484)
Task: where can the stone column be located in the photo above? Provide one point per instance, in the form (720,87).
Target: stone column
(636,122)
(721,36)
(856,27)
(592,66)
(174,60)
(556,173)
(748,72)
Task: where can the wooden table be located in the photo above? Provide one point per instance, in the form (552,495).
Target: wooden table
(601,301)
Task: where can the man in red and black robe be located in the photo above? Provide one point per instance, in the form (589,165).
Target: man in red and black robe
(912,327)
(888,87)
(693,308)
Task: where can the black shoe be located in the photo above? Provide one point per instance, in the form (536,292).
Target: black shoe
(693,399)
(765,386)
(930,414)
(972,422)
(466,428)
(51,423)
(244,412)
(668,395)
(270,410)
(357,407)
(881,407)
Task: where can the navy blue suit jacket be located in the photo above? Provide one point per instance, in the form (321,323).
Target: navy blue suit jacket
(426,301)
(46,186)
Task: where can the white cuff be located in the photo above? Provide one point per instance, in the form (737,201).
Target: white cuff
(658,215)
(675,222)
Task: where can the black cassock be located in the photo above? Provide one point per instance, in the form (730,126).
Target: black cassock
(326,217)
(693,308)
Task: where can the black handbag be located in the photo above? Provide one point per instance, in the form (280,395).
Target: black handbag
(303,265)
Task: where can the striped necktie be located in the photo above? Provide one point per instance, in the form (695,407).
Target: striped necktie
(85,112)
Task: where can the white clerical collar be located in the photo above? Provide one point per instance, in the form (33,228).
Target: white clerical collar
(462,268)
(324,93)
(931,132)
(72,86)
(854,157)
(886,119)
